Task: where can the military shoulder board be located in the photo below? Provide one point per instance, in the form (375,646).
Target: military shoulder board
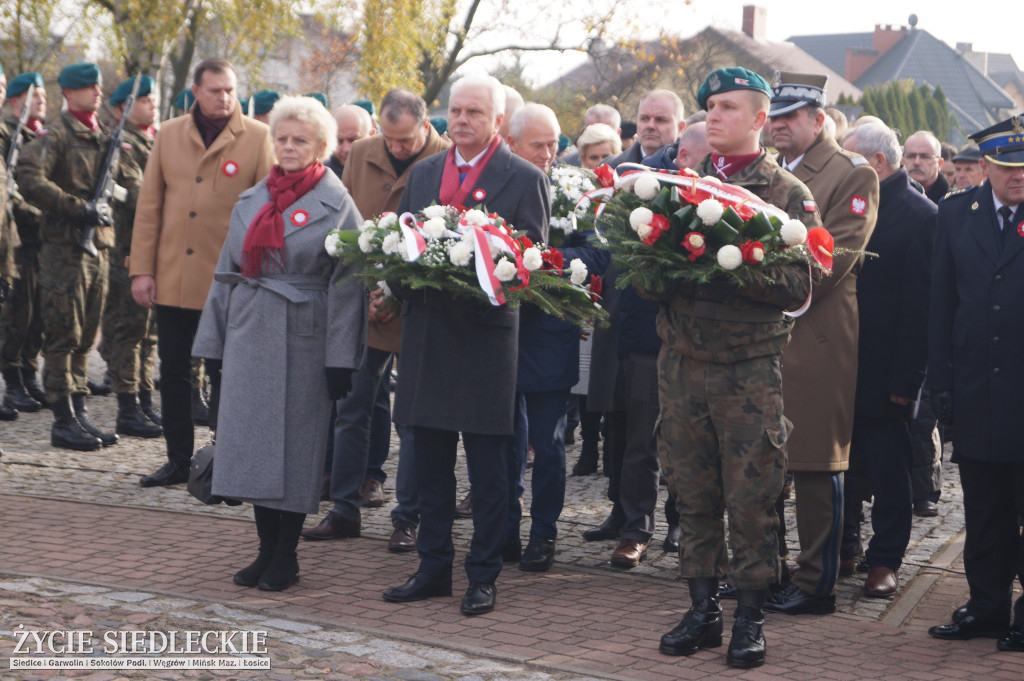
(956,192)
(858,160)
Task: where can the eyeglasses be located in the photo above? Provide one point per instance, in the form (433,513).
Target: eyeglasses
(921,157)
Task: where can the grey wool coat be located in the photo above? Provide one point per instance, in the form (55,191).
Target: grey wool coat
(276,335)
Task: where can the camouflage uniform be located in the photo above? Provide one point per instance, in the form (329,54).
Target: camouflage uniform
(129,330)
(59,170)
(8,234)
(21,328)
(722,433)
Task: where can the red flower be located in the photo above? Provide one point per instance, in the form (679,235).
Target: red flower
(525,241)
(605,175)
(595,287)
(753,252)
(695,243)
(553,259)
(659,225)
(821,245)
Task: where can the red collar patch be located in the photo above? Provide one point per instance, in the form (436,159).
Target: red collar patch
(230,168)
(300,218)
(858,204)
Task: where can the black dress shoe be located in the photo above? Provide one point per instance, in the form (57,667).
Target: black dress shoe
(960,613)
(701,627)
(1014,642)
(539,554)
(968,627)
(609,529)
(419,587)
(8,414)
(671,543)
(334,526)
(792,600)
(479,599)
(169,474)
(925,508)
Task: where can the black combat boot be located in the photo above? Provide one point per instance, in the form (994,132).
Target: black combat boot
(131,420)
(747,648)
(67,432)
(267,520)
(283,570)
(701,626)
(32,387)
(82,414)
(15,395)
(146,404)
(200,408)
(8,414)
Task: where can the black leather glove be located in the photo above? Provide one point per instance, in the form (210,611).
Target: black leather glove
(942,405)
(97,214)
(339,382)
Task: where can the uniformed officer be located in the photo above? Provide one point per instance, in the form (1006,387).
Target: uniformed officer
(722,436)
(975,370)
(60,170)
(21,328)
(129,330)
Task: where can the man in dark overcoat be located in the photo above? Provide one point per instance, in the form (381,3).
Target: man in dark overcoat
(459,364)
(975,370)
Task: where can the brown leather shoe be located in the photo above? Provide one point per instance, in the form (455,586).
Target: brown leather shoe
(882,582)
(464,509)
(403,539)
(333,526)
(372,493)
(847,566)
(628,553)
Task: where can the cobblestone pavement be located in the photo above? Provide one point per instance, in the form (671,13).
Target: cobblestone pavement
(321,630)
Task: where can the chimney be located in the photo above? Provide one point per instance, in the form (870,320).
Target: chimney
(885,38)
(754,20)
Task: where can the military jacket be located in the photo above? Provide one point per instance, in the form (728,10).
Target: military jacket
(26,215)
(59,170)
(8,235)
(724,323)
(141,145)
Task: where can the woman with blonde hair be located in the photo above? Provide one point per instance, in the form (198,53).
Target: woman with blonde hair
(597,143)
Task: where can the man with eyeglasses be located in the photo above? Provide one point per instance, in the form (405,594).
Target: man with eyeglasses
(922,159)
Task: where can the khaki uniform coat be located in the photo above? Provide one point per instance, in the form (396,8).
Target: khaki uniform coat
(184,207)
(819,371)
(371,179)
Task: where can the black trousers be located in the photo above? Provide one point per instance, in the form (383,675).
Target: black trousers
(883,446)
(994,548)
(434,454)
(176,329)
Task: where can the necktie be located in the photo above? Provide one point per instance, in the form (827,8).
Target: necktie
(463,169)
(1007,215)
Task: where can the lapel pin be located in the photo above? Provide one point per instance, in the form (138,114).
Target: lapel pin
(299,218)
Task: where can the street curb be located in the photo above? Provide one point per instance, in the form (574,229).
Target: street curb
(922,583)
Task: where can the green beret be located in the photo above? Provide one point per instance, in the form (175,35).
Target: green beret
(725,80)
(264,100)
(563,143)
(366,104)
(1,69)
(184,100)
(320,97)
(440,124)
(122,91)
(78,76)
(21,83)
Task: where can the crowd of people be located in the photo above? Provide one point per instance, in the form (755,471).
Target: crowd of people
(734,391)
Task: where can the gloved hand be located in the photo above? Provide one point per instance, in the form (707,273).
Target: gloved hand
(339,382)
(97,214)
(942,405)
(213,368)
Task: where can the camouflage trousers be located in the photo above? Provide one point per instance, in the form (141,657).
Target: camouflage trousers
(129,337)
(721,442)
(21,326)
(72,288)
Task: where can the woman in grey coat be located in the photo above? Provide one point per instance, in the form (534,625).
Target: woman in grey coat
(286,321)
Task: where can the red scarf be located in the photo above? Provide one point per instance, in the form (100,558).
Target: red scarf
(263,249)
(86,118)
(454,193)
(727,166)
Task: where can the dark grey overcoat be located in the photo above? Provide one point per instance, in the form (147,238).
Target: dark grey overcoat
(275,336)
(458,361)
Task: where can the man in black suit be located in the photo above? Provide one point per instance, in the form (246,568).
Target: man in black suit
(659,121)
(892,299)
(459,357)
(975,370)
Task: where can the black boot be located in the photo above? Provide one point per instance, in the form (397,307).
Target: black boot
(701,626)
(266,528)
(587,463)
(97,389)
(82,414)
(131,420)
(283,570)
(146,405)
(32,387)
(747,649)
(67,432)
(15,396)
(200,408)
(8,414)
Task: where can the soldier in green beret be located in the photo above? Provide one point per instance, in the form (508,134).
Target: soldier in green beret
(21,327)
(262,102)
(184,100)
(320,97)
(60,170)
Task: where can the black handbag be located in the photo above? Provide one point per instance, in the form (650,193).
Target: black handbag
(200,477)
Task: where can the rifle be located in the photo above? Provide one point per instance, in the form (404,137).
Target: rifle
(15,150)
(99,205)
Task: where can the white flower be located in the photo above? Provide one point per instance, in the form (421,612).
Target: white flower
(711,179)
(582,207)
(333,244)
(729,257)
(643,230)
(577,271)
(460,253)
(433,228)
(505,270)
(387,219)
(385,289)
(647,186)
(710,211)
(793,232)
(475,217)
(367,224)
(640,216)
(469,238)
(434,211)
(366,241)
(392,243)
(532,259)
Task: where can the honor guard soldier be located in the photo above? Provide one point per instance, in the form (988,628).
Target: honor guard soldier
(62,170)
